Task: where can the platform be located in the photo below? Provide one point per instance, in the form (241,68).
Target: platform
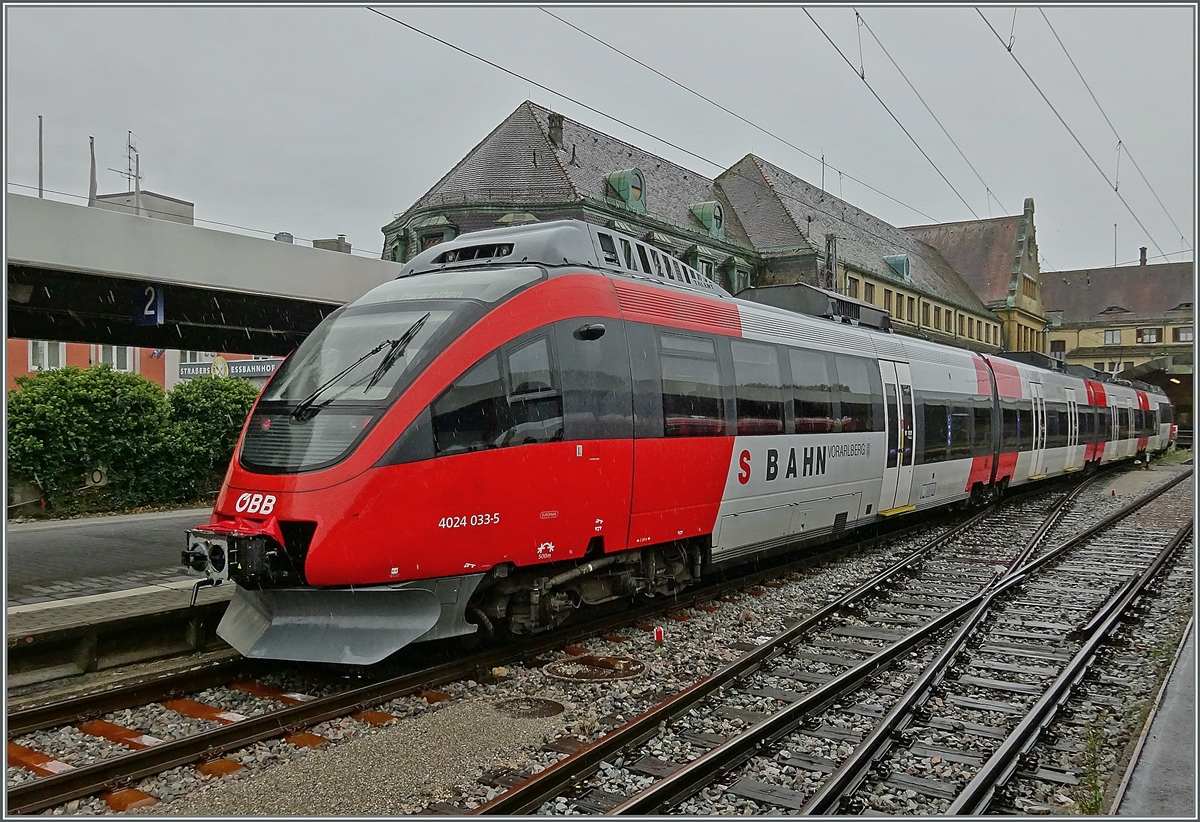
(1162,780)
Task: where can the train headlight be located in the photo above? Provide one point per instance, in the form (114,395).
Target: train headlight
(216,557)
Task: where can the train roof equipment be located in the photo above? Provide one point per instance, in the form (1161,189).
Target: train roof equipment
(558,243)
(801,298)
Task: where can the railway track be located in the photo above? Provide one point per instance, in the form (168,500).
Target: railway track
(961,665)
(197,694)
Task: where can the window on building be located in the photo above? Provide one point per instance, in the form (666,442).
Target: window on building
(971,327)
(937,317)
(1112,337)
(191,356)
(120,357)
(852,287)
(45,356)
(987,332)
(887,300)
(925,314)
(430,240)
(912,309)
(1097,366)
(706,268)
(1029,288)
(869,292)
(1058,349)
(1113,366)
(1149,335)
(1181,334)
(962,325)
(1126,365)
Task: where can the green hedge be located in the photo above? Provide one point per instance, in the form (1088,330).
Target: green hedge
(156,448)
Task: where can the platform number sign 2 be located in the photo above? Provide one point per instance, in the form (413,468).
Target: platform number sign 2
(150,306)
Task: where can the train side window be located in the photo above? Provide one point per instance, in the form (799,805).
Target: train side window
(691,386)
(893,425)
(936,431)
(628,250)
(471,414)
(1009,439)
(962,427)
(982,439)
(1104,426)
(1025,425)
(758,387)
(609,248)
(856,394)
(534,403)
(812,389)
(1165,413)
(595,380)
(641,249)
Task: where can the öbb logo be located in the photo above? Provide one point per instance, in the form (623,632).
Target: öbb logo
(255,503)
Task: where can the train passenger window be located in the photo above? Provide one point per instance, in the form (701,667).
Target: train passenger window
(962,430)
(813,393)
(645,260)
(1104,424)
(595,380)
(1165,413)
(856,393)
(609,248)
(534,405)
(470,414)
(893,424)
(1009,438)
(936,431)
(982,440)
(691,386)
(628,251)
(758,387)
(1025,425)
(1122,423)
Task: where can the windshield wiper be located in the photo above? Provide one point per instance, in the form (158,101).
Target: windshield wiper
(304,410)
(397,349)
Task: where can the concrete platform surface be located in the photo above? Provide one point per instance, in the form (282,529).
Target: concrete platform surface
(1163,782)
(68,558)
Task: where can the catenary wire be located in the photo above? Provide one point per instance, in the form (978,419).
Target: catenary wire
(978,176)
(614,119)
(734,114)
(1123,145)
(195,219)
(1069,131)
(893,116)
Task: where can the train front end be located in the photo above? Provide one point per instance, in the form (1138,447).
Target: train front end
(314,522)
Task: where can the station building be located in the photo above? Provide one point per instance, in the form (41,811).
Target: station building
(755,224)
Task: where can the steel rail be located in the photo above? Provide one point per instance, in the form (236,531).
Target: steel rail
(669,791)
(550,782)
(977,795)
(49,791)
(137,693)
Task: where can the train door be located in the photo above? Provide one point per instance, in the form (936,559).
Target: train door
(1038,467)
(1074,449)
(898,421)
(1114,429)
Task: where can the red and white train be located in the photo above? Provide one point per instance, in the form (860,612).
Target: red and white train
(532,419)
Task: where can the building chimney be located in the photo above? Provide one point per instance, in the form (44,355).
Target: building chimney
(1142,261)
(556,124)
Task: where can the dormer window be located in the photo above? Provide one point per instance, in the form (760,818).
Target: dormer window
(630,186)
(712,217)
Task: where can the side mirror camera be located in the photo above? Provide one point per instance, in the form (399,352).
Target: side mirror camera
(592,331)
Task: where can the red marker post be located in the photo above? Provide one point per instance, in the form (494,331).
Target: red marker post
(658,637)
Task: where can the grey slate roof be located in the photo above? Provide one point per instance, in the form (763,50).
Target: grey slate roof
(863,240)
(1143,290)
(980,250)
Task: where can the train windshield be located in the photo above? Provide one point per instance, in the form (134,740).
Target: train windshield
(344,339)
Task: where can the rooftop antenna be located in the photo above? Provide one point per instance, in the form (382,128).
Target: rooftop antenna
(131,172)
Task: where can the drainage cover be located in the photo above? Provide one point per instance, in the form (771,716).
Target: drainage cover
(591,668)
(524,707)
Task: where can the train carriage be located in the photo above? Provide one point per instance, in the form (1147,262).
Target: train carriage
(531,420)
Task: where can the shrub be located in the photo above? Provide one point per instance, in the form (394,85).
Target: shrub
(62,424)
(156,448)
(208,413)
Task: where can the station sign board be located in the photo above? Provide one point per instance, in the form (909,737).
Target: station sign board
(233,368)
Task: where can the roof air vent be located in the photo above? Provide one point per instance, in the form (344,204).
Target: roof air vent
(900,264)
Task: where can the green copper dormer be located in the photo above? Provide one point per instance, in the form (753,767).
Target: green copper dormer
(712,216)
(630,186)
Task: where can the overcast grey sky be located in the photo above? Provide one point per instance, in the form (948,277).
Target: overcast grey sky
(320,121)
